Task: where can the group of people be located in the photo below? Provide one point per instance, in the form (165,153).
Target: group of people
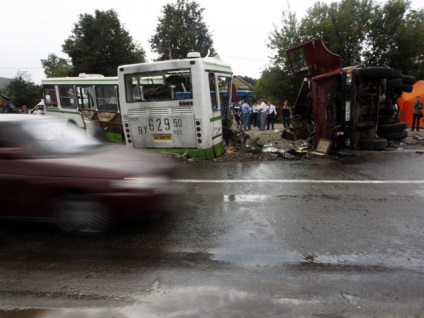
(260,114)
(8,107)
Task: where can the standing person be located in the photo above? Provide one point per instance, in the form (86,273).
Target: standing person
(258,115)
(286,114)
(24,109)
(254,113)
(272,113)
(264,111)
(245,111)
(6,106)
(416,116)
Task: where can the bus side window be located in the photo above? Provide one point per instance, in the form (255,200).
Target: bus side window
(68,97)
(50,98)
(212,88)
(106,98)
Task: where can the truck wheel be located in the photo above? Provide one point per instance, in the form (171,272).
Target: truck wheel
(392,128)
(407,88)
(394,135)
(373,144)
(377,72)
(408,80)
(395,84)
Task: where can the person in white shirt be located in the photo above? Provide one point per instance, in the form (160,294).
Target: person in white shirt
(272,113)
(264,112)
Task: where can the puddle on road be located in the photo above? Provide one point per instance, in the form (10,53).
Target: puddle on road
(246,198)
(199,301)
(295,260)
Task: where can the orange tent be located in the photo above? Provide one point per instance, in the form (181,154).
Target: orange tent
(406,103)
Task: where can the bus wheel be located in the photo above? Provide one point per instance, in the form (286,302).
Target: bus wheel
(79,214)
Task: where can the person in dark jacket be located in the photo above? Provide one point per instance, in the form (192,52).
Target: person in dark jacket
(6,106)
(417,114)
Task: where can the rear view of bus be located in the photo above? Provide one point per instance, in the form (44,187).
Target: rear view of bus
(171,106)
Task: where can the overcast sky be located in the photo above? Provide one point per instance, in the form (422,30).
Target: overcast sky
(31,30)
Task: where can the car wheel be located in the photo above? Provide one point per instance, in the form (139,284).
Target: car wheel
(79,214)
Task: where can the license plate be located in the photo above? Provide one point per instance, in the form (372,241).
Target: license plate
(162,137)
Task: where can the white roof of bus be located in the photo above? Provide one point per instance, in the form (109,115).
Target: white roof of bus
(81,80)
(210,62)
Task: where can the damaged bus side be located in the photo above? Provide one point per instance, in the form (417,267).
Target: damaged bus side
(353,107)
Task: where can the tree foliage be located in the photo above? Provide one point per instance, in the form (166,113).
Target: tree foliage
(55,66)
(22,91)
(100,44)
(181,30)
(281,40)
(360,31)
(396,38)
(342,26)
(276,85)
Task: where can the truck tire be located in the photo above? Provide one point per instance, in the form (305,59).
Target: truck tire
(377,72)
(408,80)
(394,135)
(392,128)
(407,88)
(395,84)
(373,144)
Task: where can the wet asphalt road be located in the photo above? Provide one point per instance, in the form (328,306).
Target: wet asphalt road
(323,237)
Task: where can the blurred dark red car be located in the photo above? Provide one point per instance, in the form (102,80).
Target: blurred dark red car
(51,171)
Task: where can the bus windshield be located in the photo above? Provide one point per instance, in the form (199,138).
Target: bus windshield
(158,86)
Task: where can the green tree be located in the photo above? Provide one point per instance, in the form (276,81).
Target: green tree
(100,44)
(22,91)
(282,39)
(55,66)
(276,85)
(181,30)
(396,38)
(343,26)
(276,82)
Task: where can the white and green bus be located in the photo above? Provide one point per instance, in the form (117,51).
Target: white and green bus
(88,101)
(171,106)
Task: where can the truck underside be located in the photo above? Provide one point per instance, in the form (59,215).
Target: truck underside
(352,107)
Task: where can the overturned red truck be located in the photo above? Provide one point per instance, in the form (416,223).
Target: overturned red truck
(353,107)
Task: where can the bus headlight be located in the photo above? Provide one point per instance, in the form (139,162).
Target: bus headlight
(347,110)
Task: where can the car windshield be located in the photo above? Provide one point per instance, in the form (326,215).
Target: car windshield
(56,138)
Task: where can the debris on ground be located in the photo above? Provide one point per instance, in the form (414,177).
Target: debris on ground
(268,145)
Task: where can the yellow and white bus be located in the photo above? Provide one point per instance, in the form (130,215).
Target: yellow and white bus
(171,106)
(88,101)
